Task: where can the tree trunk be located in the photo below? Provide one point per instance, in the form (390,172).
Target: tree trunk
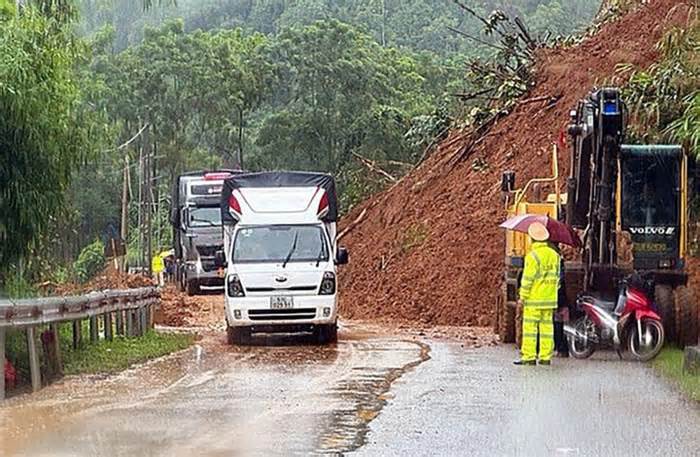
(240,139)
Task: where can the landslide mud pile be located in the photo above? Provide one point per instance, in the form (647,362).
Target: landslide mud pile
(180,310)
(428,250)
(109,278)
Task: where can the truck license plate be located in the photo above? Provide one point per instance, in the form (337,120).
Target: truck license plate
(281,302)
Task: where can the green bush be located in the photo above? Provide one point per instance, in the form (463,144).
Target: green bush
(90,262)
(16,285)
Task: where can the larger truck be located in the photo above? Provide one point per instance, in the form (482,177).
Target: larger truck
(630,204)
(197,236)
(281,254)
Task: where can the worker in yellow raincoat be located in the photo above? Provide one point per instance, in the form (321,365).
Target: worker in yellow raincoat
(157,268)
(539,290)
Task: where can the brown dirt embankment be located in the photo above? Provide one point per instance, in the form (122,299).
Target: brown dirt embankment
(428,250)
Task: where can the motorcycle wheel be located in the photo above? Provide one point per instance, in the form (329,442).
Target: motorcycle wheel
(653,340)
(582,348)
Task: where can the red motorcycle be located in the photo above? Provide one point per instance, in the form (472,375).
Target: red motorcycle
(630,323)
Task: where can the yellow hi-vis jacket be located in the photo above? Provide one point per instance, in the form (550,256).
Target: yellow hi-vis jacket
(539,287)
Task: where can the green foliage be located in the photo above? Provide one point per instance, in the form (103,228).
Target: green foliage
(686,129)
(90,262)
(663,100)
(120,354)
(410,24)
(670,364)
(46,132)
(18,286)
(101,357)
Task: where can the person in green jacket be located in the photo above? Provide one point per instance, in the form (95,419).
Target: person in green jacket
(539,290)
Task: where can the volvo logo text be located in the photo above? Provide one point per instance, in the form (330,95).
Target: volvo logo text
(653,230)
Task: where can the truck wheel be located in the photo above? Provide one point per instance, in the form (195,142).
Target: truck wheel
(505,317)
(686,317)
(240,336)
(192,287)
(663,296)
(326,334)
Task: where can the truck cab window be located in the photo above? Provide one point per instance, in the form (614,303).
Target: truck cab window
(274,243)
(204,217)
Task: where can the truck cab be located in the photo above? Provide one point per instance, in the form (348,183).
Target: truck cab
(281,254)
(196,219)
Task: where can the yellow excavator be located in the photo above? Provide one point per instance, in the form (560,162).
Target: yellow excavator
(630,205)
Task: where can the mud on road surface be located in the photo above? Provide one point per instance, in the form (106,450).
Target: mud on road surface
(285,396)
(377,392)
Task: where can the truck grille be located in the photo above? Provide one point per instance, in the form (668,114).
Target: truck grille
(281,314)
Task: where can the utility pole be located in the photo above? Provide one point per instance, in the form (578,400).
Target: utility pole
(148,182)
(125,207)
(140,207)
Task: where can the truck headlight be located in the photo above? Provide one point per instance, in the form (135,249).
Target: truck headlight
(328,284)
(234,286)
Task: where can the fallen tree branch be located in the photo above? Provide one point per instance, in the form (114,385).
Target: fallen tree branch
(373,166)
(473,38)
(352,225)
(431,145)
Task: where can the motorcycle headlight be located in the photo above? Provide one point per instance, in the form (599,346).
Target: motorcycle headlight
(234,286)
(328,284)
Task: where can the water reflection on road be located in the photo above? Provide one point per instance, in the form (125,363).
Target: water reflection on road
(283,395)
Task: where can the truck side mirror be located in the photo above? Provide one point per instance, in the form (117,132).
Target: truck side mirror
(508,181)
(342,256)
(220,258)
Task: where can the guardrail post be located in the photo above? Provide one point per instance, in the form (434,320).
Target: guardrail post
(2,363)
(93,329)
(149,317)
(108,326)
(129,322)
(33,359)
(77,333)
(57,349)
(119,322)
(143,321)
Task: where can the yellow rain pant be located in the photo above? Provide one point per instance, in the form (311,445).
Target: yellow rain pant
(537,321)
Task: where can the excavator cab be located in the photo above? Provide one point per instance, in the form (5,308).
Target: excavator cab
(652,205)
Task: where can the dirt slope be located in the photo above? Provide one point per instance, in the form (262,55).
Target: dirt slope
(429,249)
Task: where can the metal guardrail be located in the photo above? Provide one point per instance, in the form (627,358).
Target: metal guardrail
(124,312)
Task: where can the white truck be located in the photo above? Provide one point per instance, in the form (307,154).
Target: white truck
(281,254)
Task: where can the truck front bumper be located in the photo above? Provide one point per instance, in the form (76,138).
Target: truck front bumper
(308,311)
(205,279)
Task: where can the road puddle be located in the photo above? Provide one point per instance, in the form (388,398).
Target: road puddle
(284,395)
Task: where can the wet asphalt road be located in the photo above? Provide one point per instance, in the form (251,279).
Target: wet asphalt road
(373,394)
(476,403)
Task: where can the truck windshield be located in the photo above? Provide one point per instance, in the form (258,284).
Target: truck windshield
(278,243)
(204,217)
(650,193)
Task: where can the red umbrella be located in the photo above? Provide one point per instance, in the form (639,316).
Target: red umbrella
(559,232)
